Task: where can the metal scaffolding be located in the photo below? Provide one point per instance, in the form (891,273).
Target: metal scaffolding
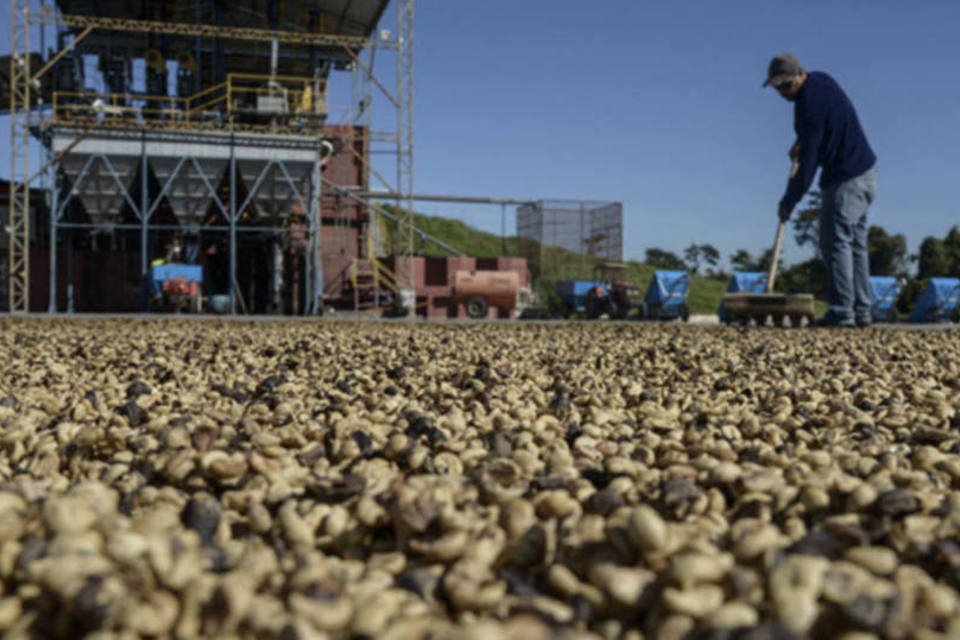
(116,122)
(20,105)
(560,237)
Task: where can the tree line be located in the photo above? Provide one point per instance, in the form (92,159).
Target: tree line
(888,253)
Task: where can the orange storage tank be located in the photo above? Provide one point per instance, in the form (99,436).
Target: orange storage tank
(479,290)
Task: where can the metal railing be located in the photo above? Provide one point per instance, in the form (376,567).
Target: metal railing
(246,100)
(381,276)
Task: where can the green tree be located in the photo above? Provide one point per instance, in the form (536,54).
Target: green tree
(701,254)
(710,255)
(888,253)
(809,276)
(741,260)
(663,259)
(766,259)
(951,246)
(806,224)
(691,256)
(933,259)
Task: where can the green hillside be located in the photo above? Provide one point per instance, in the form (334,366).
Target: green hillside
(704,296)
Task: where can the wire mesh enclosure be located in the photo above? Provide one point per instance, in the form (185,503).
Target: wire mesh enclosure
(561,237)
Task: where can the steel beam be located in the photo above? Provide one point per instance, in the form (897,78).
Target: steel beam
(316,222)
(404,95)
(232,282)
(284,36)
(67,49)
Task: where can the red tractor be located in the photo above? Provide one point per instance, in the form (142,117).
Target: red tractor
(616,298)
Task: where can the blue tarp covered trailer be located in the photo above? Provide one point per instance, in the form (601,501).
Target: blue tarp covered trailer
(884,291)
(938,302)
(667,295)
(744,282)
(162,272)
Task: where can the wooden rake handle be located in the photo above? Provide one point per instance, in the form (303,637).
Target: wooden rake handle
(772,274)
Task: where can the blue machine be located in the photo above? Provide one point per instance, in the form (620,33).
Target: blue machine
(884,291)
(744,282)
(938,301)
(163,272)
(667,295)
(573,293)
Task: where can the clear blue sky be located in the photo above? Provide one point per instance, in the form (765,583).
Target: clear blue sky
(659,105)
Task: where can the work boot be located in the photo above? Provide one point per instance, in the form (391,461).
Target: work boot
(829,320)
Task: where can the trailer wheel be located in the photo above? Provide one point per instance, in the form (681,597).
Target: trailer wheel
(892,316)
(476,307)
(641,311)
(685,312)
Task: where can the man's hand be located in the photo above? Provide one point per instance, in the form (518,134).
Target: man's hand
(784,214)
(794,152)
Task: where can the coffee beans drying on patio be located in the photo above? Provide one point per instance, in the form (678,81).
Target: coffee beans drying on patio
(351,480)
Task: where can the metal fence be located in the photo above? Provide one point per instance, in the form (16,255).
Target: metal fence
(559,238)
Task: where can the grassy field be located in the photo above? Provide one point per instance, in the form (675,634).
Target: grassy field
(703,297)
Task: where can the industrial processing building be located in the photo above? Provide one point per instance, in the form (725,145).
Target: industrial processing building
(197,132)
(193,158)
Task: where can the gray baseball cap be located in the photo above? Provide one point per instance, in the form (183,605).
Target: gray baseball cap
(783,67)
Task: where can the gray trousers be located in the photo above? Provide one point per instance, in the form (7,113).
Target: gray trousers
(843,245)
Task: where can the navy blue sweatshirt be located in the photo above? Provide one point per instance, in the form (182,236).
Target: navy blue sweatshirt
(830,136)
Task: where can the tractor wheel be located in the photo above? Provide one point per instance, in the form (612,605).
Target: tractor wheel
(594,306)
(476,308)
(618,311)
(684,312)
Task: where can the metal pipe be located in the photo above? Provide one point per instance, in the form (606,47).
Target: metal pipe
(70,307)
(233,231)
(197,50)
(423,197)
(274,52)
(351,196)
(316,294)
(503,228)
(54,202)
(144,221)
(170,227)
